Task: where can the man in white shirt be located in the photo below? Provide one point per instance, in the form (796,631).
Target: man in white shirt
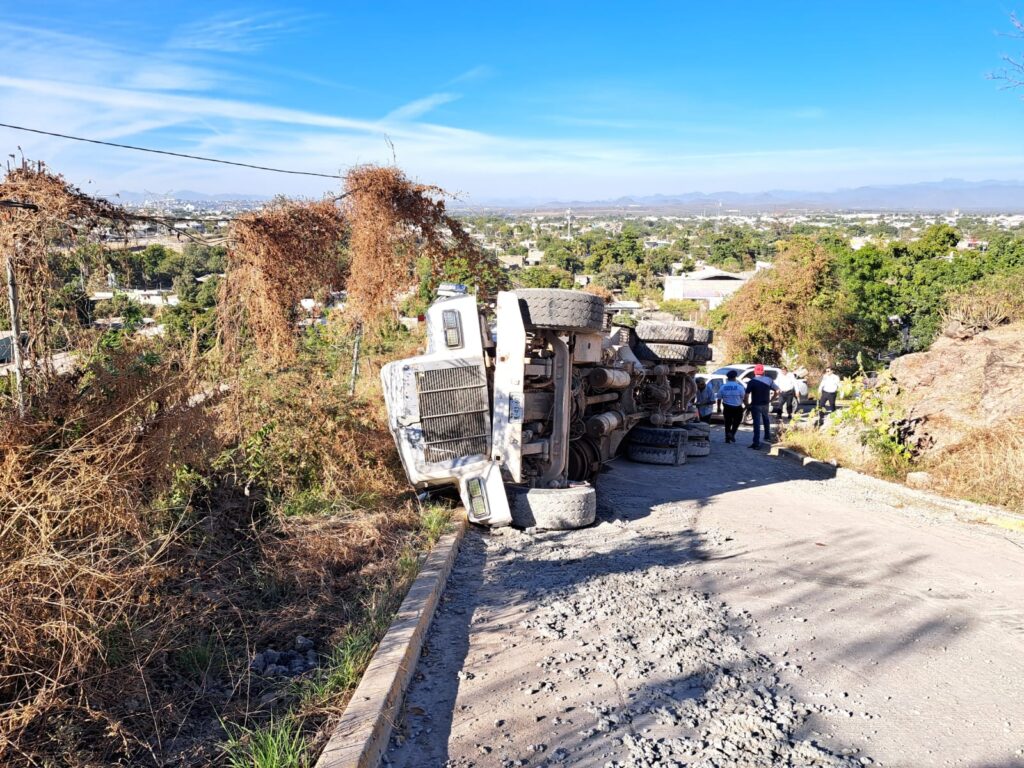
(787,393)
(827,390)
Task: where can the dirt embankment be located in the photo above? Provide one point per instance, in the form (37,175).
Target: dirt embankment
(960,386)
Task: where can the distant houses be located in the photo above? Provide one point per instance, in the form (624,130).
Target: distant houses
(708,284)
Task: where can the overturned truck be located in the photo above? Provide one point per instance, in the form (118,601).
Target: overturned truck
(520,404)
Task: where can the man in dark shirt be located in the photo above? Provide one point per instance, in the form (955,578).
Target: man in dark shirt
(760,391)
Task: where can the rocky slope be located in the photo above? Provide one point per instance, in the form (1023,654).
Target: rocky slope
(960,386)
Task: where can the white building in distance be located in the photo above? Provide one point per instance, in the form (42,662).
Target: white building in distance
(707,284)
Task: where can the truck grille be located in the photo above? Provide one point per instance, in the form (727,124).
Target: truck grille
(454,411)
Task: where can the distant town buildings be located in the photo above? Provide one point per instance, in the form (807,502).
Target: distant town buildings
(707,284)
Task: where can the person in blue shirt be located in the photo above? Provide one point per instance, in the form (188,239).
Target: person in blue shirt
(732,394)
(705,400)
(760,391)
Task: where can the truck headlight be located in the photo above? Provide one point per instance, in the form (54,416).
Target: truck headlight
(452,328)
(477,499)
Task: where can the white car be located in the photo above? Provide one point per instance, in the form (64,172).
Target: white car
(744,373)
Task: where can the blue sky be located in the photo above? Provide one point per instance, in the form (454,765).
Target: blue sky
(527,100)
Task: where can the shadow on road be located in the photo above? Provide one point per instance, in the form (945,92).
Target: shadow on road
(653,517)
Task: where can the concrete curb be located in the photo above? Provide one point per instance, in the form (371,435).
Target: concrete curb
(967,511)
(362,734)
(824,468)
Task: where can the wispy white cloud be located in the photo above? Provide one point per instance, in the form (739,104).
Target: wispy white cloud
(77,85)
(420,107)
(232,34)
(480,72)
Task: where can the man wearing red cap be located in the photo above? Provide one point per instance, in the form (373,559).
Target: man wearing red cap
(760,391)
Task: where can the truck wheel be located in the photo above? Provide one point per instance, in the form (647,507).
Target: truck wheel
(700,353)
(648,330)
(695,428)
(656,353)
(558,309)
(703,335)
(657,436)
(697,447)
(652,454)
(553,509)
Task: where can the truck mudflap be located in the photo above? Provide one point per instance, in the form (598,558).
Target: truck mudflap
(484,496)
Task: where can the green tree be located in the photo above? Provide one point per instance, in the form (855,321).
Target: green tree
(542,277)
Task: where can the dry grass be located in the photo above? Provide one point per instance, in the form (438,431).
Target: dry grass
(37,240)
(150,543)
(831,446)
(985,304)
(394,223)
(986,467)
(80,557)
(279,255)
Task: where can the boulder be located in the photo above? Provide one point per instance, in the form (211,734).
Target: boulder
(919,480)
(962,385)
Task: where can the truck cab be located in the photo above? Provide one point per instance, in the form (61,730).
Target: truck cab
(519,404)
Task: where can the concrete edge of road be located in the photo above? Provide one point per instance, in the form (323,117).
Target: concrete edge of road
(968,511)
(825,468)
(362,734)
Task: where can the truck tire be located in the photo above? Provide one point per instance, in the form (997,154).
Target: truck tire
(657,436)
(656,353)
(553,509)
(703,335)
(697,428)
(558,309)
(700,353)
(677,333)
(651,454)
(697,447)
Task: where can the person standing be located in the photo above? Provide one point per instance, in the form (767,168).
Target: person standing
(827,390)
(787,393)
(705,401)
(732,395)
(760,391)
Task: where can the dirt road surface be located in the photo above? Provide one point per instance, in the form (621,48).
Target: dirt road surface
(734,611)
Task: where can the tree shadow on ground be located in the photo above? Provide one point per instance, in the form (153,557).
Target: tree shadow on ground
(492,587)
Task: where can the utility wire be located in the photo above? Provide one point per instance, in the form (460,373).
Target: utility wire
(172,154)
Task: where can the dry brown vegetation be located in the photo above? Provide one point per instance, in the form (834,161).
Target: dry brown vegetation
(989,303)
(163,514)
(280,254)
(35,240)
(395,222)
(987,467)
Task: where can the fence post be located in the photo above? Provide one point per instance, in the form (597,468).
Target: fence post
(12,300)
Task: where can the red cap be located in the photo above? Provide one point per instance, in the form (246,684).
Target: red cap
(758,369)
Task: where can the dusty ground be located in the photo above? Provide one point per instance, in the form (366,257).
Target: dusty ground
(729,612)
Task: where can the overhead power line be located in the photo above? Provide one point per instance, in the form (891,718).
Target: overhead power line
(171,154)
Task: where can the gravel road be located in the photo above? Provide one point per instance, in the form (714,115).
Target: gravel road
(734,611)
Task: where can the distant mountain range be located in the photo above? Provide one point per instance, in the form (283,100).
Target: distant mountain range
(929,196)
(932,196)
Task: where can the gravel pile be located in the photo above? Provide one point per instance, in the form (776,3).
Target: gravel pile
(690,692)
(610,661)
